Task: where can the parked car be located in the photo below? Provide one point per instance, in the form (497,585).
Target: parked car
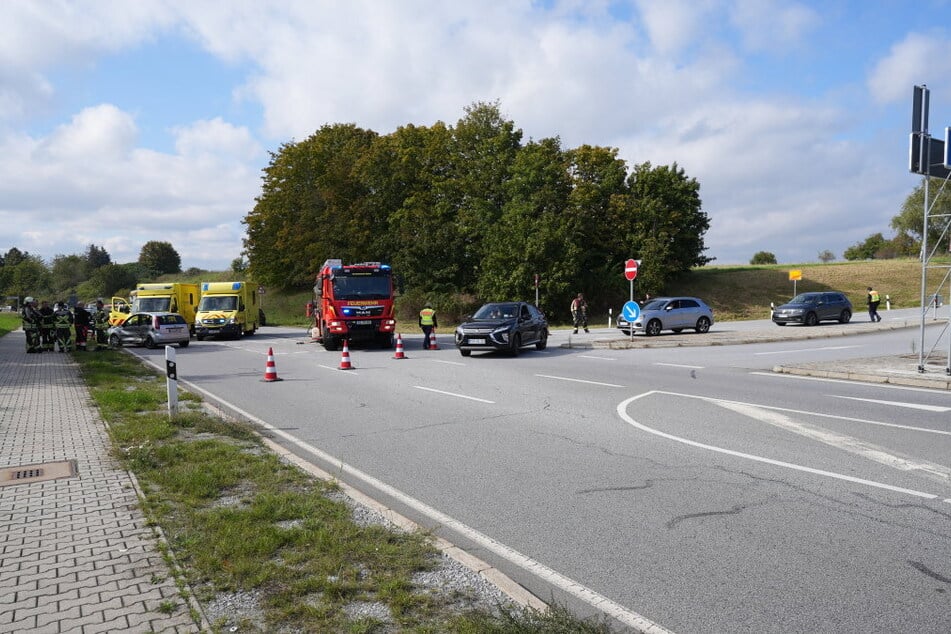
(150,330)
(811,308)
(503,326)
(669,313)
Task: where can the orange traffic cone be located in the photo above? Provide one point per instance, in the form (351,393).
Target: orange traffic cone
(345,357)
(270,372)
(399,348)
(432,341)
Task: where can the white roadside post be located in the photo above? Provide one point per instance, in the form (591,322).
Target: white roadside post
(171,381)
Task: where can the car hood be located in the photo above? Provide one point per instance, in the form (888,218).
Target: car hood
(490,324)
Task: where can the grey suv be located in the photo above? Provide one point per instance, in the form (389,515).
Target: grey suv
(811,308)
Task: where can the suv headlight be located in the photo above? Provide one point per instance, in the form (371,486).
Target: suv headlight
(502,334)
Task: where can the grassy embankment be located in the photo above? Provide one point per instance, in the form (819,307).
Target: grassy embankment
(745,292)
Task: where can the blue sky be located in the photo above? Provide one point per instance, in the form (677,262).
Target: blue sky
(124,122)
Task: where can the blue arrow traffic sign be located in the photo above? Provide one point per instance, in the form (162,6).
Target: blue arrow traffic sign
(631,311)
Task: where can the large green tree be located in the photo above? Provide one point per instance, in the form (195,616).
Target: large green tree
(96,257)
(312,207)
(469,213)
(407,174)
(532,236)
(483,148)
(68,272)
(665,224)
(29,276)
(910,220)
(160,258)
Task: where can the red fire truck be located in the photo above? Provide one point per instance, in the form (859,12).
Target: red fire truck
(353,302)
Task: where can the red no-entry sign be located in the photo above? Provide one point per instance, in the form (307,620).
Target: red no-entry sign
(630,269)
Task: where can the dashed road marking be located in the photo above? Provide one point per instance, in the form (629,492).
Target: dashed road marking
(566,378)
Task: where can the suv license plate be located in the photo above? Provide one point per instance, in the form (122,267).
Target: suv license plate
(476,340)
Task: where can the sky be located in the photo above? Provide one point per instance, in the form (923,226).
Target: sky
(125,122)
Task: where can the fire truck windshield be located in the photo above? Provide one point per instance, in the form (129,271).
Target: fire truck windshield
(361,286)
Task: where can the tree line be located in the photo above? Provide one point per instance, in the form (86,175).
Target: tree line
(83,275)
(471,213)
(909,228)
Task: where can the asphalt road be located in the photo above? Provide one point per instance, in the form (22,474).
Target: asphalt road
(688,487)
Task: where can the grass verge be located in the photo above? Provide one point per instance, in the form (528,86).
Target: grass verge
(280,548)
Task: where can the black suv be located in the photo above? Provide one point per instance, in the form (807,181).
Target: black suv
(504,326)
(811,308)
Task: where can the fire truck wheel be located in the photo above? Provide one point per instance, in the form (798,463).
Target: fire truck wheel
(331,343)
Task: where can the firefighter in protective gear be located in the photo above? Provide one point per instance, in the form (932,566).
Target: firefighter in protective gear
(427,322)
(47,327)
(101,324)
(31,320)
(64,327)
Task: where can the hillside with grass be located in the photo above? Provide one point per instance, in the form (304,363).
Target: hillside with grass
(745,292)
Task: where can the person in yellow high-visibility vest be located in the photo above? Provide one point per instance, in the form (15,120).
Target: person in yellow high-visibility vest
(427,322)
(873,301)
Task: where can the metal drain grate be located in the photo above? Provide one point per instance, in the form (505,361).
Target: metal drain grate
(37,472)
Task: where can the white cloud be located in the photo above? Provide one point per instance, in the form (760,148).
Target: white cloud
(917,59)
(668,81)
(773,25)
(97,134)
(87,182)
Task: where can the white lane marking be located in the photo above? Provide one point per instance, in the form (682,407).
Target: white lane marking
(839,441)
(927,408)
(330,367)
(877,386)
(851,419)
(566,584)
(565,378)
(448,362)
(591,356)
(681,365)
(622,412)
(471,398)
(805,350)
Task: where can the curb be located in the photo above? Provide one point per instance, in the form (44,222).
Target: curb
(864,377)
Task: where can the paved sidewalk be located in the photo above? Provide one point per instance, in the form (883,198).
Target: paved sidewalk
(75,552)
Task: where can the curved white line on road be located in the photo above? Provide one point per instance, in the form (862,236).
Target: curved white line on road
(622,412)
(543,572)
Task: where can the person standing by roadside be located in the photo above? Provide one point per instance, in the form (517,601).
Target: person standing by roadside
(873,300)
(579,313)
(64,326)
(101,321)
(427,322)
(47,326)
(31,321)
(82,320)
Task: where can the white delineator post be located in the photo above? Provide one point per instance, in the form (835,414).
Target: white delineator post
(171,381)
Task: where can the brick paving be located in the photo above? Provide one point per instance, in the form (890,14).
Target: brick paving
(76,554)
